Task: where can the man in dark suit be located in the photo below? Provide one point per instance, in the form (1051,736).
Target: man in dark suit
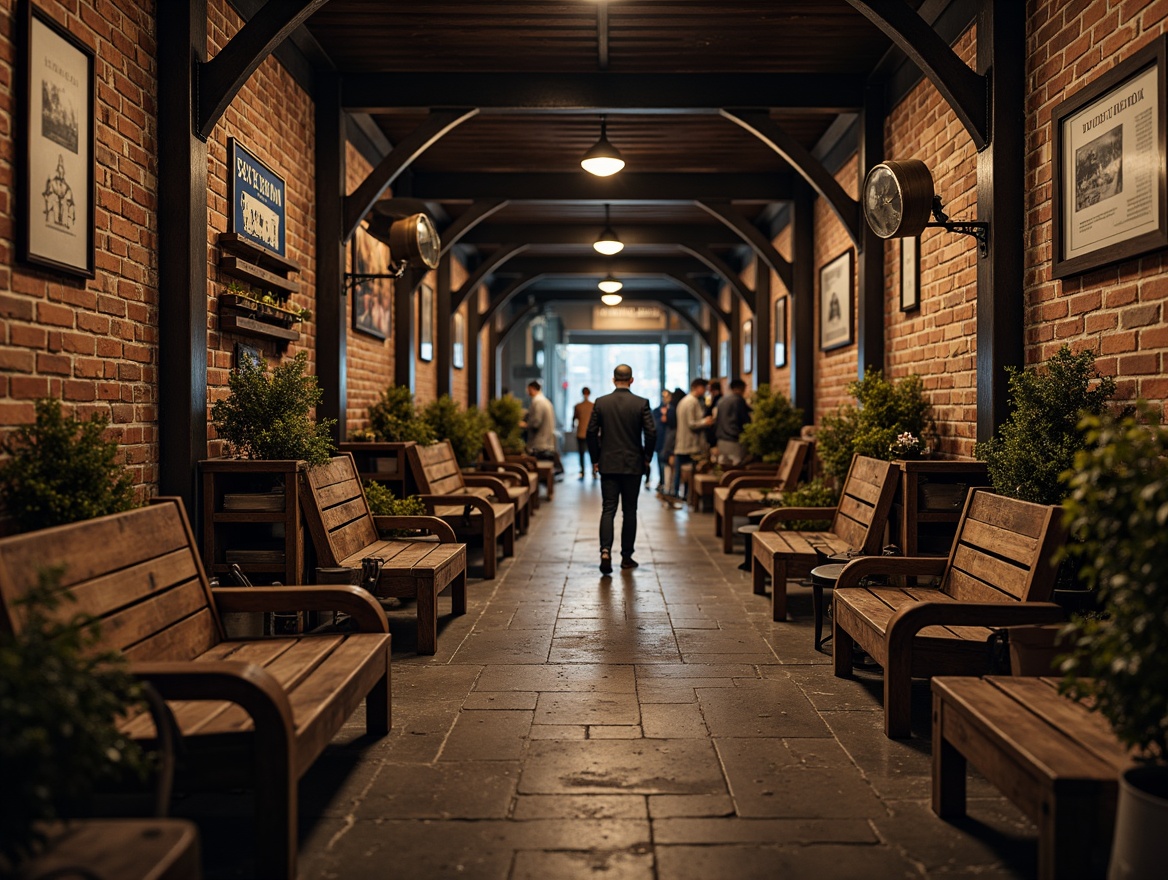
(621,438)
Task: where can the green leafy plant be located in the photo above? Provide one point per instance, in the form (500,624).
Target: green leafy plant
(382,502)
(773,422)
(813,493)
(1040,439)
(506,413)
(464,428)
(60,699)
(1117,514)
(885,410)
(266,416)
(394,419)
(61,470)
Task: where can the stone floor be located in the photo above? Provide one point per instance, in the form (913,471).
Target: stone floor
(655,724)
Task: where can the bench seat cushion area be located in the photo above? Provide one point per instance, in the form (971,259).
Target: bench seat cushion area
(410,564)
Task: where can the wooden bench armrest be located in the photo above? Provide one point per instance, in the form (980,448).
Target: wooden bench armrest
(495,484)
(478,502)
(752,482)
(355,602)
(910,620)
(433,524)
(779,514)
(516,474)
(910,566)
(736,472)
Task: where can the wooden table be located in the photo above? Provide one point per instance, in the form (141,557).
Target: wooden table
(1053,759)
(126,849)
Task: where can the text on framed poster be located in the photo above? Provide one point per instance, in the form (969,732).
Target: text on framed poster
(259,213)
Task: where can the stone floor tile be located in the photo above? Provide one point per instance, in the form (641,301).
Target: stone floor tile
(696,670)
(593,678)
(676,720)
(675,806)
(454,790)
(615,731)
(497,735)
(682,766)
(804,832)
(768,708)
(587,708)
(846,862)
(501,700)
(653,693)
(558,731)
(583,865)
(508,646)
(582,806)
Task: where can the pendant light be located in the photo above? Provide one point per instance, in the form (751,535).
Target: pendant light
(608,243)
(611,299)
(609,284)
(603,159)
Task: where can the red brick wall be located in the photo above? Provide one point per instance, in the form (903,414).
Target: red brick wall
(833,369)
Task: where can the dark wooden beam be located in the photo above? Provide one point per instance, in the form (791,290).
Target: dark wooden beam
(719,266)
(509,291)
(469,220)
(704,296)
(362,199)
(806,166)
(443,329)
(639,93)
(331,313)
(966,91)
(473,355)
(403,331)
(602,35)
(492,360)
(736,318)
(763,350)
(711,235)
(490,264)
(729,217)
(870,312)
(802,343)
(628,186)
(182,253)
(509,325)
(220,79)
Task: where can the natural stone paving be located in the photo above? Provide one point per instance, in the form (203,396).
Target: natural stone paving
(655,725)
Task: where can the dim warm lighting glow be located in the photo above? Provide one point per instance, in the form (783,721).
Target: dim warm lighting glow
(610,285)
(603,160)
(608,243)
(611,299)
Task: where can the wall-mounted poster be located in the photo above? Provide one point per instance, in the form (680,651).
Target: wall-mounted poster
(458,350)
(910,274)
(835,302)
(257,199)
(372,298)
(426,323)
(781,332)
(56,150)
(1110,189)
(747,346)
(724,358)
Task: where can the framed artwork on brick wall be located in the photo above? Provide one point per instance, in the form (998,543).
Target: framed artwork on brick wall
(1110,167)
(426,323)
(780,328)
(835,302)
(372,297)
(57,102)
(458,346)
(910,274)
(748,346)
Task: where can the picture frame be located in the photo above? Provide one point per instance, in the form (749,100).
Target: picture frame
(910,274)
(426,323)
(724,357)
(748,346)
(836,294)
(372,308)
(780,329)
(458,346)
(1110,198)
(246,352)
(56,148)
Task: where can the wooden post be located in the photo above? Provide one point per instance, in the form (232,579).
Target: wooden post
(471,357)
(735,340)
(403,329)
(870,289)
(444,329)
(331,294)
(763,344)
(802,343)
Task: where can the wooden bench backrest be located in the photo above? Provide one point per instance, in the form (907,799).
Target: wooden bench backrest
(791,466)
(493,448)
(136,572)
(865,502)
(336,510)
(435,469)
(1003,550)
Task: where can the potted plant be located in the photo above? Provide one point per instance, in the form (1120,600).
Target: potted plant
(382,502)
(1117,511)
(394,418)
(61,469)
(813,493)
(505,414)
(773,421)
(464,428)
(268,306)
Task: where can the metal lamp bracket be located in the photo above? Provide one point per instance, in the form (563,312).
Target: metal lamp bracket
(352,279)
(979,229)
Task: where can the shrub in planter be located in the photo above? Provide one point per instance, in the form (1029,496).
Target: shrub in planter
(266,416)
(382,502)
(885,410)
(464,428)
(505,414)
(773,421)
(61,470)
(813,493)
(394,419)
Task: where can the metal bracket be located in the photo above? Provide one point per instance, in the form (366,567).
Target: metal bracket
(979,229)
(352,279)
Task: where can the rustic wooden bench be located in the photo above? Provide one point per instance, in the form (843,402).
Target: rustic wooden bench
(344,532)
(857,525)
(1056,761)
(495,461)
(260,709)
(999,573)
(545,471)
(472,505)
(740,491)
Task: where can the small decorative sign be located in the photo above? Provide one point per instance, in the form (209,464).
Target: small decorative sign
(835,302)
(910,274)
(781,332)
(259,212)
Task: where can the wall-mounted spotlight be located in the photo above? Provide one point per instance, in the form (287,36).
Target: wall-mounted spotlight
(608,243)
(603,159)
(609,284)
(413,244)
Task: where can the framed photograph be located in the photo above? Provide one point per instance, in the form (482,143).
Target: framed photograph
(245,352)
(1110,170)
(372,299)
(458,346)
(781,332)
(426,323)
(748,346)
(724,357)
(836,285)
(910,274)
(56,148)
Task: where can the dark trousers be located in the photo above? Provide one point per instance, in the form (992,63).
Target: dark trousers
(679,458)
(582,448)
(625,489)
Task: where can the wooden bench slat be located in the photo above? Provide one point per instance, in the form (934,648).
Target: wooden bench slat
(996,572)
(184,640)
(1000,541)
(339,493)
(143,620)
(114,592)
(966,588)
(343,514)
(986,507)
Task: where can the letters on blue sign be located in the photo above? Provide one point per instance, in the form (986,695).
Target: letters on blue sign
(257,195)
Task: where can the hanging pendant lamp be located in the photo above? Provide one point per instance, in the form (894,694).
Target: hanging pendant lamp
(611,299)
(608,243)
(603,159)
(609,284)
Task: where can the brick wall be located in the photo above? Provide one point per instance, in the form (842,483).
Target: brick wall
(833,369)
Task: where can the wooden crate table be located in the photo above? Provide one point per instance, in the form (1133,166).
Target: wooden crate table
(929,502)
(1048,755)
(128,849)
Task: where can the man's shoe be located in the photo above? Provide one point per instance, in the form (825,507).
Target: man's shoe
(629,562)
(581,476)
(605,562)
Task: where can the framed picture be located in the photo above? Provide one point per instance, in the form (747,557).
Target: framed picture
(458,347)
(910,274)
(781,332)
(836,283)
(1110,171)
(426,323)
(245,352)
(724,357)
(372,299)
(56,148)
(748,346)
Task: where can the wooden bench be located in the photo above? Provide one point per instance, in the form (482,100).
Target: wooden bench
(999,573)
(1053,759)
(545,471)
(495,461)
(857,525)
(260,709)
(472,505)
(344,532)
(740,491)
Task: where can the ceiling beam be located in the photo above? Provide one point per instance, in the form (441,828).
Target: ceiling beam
(599,266)
(487,267)
(639,93)
(468,220)
(668,299)
(721,267)
(644,187)
(712,235)
(753,236)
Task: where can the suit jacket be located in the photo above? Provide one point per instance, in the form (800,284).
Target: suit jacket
(621,433)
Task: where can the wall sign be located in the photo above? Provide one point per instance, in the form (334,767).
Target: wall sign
(259,212)
(835,302)
(910,274)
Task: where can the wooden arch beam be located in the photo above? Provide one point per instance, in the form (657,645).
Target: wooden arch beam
(721,267)
(361,200)
(726,214)
(468,220)
(704,296)
(487,267)
(966,91)
(659,297)
(772,134)
(508,293)
(220,79)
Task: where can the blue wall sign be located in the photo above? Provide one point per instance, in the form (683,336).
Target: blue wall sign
(257,197)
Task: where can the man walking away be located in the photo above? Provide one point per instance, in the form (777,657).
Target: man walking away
(731,416)
(581,416)
(692,423)
(541,426)
(715,391)
(621,439)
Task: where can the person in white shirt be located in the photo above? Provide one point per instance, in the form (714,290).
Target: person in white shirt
(541,426)
(692,422)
